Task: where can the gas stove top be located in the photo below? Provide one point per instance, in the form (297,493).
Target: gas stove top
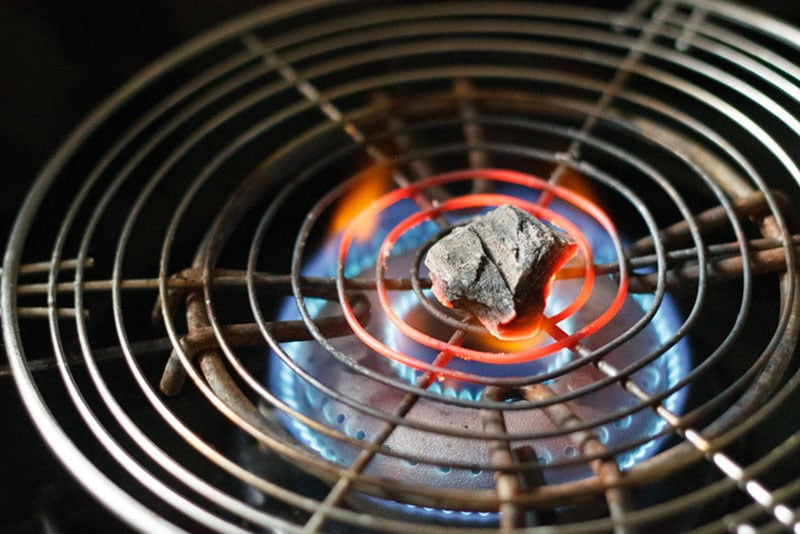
(216,309)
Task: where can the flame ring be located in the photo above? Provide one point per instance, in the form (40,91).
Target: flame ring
(487,357)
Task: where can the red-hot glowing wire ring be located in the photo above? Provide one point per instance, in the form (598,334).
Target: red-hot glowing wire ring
(472,201)
(392,197)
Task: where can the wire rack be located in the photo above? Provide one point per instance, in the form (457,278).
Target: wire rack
(192,164)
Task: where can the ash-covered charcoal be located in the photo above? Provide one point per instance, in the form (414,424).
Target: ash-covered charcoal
(499,267)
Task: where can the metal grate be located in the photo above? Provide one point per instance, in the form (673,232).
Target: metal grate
(203,183)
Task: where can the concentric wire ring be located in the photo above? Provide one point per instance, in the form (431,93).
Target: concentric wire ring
(463,202)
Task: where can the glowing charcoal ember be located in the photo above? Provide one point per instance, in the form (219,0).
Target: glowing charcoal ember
(499,267)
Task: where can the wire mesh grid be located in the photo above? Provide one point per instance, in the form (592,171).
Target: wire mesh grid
(232,151)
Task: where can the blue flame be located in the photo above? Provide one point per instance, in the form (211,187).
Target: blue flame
(661,374)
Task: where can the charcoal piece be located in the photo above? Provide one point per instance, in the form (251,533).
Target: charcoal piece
(499,267)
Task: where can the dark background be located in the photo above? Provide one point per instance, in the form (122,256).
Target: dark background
(58,60)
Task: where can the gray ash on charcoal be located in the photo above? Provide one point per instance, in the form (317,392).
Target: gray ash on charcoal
(499,268)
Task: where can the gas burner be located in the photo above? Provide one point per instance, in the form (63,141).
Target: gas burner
(530,368)
(274,186)
(583,306)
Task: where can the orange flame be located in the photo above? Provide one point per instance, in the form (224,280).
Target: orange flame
(576,181)
(491,343)
(370,185)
